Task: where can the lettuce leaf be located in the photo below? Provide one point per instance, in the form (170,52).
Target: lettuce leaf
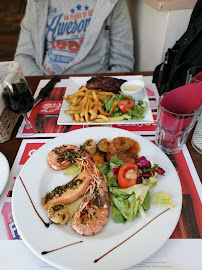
(162,198)
(108,104)
(126,205)
(117,216)
(141,212)
(120,97)
(116,162)
(112,179)
(146,202)
(104,168)
(140,191)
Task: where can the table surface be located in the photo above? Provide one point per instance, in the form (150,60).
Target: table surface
(10,148)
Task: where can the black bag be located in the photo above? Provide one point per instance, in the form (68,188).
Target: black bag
(186,53)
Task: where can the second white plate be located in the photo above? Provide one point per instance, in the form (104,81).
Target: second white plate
(4,172)
(74,83)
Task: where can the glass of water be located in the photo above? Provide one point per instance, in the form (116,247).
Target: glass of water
(194,75)
(173,129)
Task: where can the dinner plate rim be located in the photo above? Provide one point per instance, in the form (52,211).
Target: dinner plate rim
(5,177)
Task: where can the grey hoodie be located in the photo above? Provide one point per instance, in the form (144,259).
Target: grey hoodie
(107,46)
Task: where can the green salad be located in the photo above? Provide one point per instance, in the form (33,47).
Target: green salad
(127,203)
(127,107)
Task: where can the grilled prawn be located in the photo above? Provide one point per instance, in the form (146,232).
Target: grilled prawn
(63,156)
(92,214)
(93,211)
(60,158)
(69,192)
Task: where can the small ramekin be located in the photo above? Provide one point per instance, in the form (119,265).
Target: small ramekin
(138,94)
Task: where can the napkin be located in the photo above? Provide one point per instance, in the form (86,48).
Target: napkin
(184,99)
(181,106)
(6,67)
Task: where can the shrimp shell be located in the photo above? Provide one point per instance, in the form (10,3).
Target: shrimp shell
(92,214)
(69,192)
(55,158)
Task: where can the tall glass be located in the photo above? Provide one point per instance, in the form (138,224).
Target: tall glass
(173,129)
(197,136)
(194,75)
(18,98)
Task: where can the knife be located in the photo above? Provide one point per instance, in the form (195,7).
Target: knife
(47,88)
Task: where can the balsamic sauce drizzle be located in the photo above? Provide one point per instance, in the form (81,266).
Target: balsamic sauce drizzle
(45,223)
(46,252)
(95,261)
(131,235)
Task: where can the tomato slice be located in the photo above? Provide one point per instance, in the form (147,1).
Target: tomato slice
(125,104)
(127,175)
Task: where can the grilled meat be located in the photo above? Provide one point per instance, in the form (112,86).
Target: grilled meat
(108,84)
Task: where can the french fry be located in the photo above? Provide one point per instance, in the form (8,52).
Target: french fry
(75,108)
(98,120)
(77,94)
(100,116)
(82,114)
(90,111)
(77,117)
(74,100)
(117,118)
(82,88)
(91,103)
(66,99)
(94,96)
(84,101)
(95,112)
(81,119)
(87,105)
(69,112)
(86,109)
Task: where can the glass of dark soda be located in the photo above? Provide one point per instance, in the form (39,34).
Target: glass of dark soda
(18,97)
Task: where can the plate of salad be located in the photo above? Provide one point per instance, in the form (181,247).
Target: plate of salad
(139,185)
(127,111)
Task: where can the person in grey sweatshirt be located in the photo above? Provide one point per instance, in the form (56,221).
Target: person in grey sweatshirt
(75,37)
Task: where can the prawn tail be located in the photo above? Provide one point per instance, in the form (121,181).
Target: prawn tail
(92,214)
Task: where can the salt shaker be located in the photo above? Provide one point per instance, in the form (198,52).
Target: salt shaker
(197,136)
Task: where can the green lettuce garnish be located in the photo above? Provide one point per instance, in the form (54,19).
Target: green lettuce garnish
(112,179)
(162,198)
(140,190)
(116,162)
(108,104)
(126,205)
(117,216)
(131,201)
(137,111)
(104,168)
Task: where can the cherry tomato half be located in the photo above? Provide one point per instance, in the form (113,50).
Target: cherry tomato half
(125,104)
(127,175)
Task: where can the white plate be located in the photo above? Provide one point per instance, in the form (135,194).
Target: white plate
(39,178)
(74,83)
(4,172)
